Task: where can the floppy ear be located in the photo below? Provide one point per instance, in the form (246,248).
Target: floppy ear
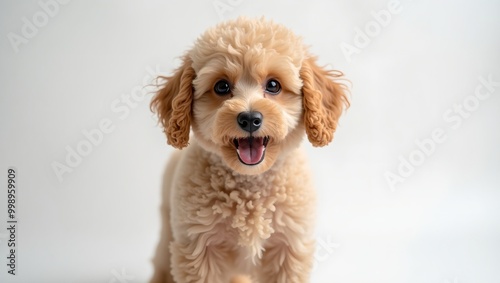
(172,103)
(324,99)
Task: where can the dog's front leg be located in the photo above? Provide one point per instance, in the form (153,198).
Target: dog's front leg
(200,261)
(287,259)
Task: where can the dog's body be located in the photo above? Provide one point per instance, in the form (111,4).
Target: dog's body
(238,205)
(224,222)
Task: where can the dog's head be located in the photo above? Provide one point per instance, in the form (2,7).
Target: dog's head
(249,89)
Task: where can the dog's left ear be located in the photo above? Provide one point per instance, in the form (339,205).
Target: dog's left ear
(173,103)
(324,99)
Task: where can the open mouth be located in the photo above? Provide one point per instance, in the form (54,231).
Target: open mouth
(251,150)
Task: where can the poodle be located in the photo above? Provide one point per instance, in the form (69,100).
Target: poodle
(238,204)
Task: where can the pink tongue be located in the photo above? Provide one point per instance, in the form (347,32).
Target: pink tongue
(250,152)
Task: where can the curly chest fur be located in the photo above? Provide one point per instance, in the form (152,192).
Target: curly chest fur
(247,209)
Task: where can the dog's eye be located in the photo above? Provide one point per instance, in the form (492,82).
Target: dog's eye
(222,87)
(273,87)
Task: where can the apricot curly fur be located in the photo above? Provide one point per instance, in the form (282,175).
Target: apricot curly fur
(222,219)
(173,104)
(324,100)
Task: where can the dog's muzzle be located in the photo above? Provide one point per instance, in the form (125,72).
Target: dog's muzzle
(251,150)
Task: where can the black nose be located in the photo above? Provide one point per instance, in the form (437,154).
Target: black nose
(250,121)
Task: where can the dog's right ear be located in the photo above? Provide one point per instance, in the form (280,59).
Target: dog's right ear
(173,104)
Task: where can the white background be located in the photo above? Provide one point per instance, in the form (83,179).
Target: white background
(101,222)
